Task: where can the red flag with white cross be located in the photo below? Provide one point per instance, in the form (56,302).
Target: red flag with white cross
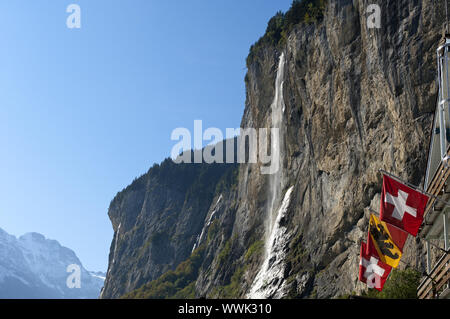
(402,206)
(372,271)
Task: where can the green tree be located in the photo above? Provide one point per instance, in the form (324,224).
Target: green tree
(401,284)
(279,26)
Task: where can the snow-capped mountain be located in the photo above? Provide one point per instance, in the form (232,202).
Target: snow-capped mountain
(32,266)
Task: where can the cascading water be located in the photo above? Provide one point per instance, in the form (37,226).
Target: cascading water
(116,238)
(115,245)
(269,279)
(206,225)
(277,144)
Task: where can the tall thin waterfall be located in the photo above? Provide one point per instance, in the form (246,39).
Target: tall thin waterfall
(277,144)
(115,244)
(269,279)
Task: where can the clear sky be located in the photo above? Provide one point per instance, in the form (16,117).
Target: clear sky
(83,112)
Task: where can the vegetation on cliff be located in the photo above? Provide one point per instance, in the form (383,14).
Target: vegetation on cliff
(280,25)
(179,283)
(402,284)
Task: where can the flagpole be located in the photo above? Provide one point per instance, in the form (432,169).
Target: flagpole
(404,263)
(408,265)
(405,182)
(373,212)
(434,245)
(378,215)
(413,186)
(421,238)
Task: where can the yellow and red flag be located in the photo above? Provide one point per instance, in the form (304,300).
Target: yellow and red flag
(385,241)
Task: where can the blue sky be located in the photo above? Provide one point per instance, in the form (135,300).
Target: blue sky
(83,112)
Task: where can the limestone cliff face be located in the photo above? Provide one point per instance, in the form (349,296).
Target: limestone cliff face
(355,100)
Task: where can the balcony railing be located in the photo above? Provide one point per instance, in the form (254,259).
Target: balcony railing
(437,280)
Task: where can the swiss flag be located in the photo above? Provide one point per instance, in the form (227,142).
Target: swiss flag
(402,206)
(372,271)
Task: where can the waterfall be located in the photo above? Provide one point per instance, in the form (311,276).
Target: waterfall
(116,238)
(115,243)
(206,225)
(269,279)
(277,145)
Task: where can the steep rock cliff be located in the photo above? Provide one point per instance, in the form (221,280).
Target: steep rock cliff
(352,100)
(157,220)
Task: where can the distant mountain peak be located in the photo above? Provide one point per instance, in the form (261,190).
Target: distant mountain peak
(33,266)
